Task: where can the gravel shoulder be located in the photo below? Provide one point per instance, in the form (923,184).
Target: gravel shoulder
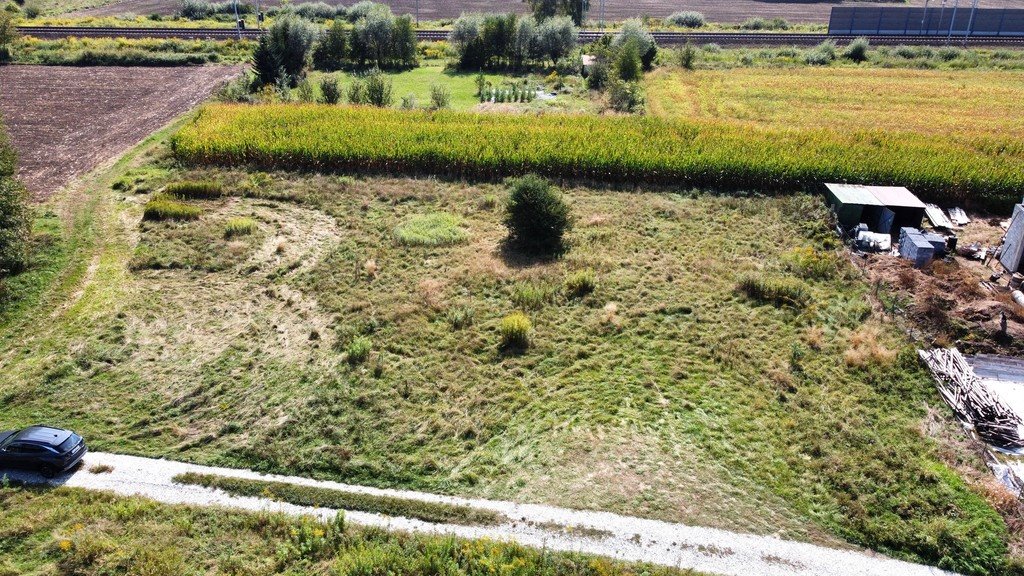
(601,533)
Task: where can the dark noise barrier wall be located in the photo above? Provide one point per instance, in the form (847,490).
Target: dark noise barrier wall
(931,21)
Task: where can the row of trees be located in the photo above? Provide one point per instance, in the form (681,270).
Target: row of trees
(507,40)
(14,216)
(378,37)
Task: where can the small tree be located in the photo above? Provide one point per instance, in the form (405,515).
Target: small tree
(627,62)
(536,216)
(8,35)
(440,97)
(356,93)
(687,55)
(330,92)
(284,51)
(378,89)
(625,96)
(403,42)
(556,37)
(332,49)
(15,218)
(633,30)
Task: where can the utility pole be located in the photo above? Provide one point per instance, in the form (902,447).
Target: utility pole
(924,17)
(942,12)
(417,13)
(238,22)
(970,22)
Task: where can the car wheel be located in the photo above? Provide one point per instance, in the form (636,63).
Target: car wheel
(47,471)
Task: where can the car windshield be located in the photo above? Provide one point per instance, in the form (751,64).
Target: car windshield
(70,443)
(9,439)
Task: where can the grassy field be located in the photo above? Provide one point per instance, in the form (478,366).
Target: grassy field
(936,103)
(417,82)
(69,532)
(980,170)
(131,52)
(668,391)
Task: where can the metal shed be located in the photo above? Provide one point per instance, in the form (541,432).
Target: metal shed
(883,208)
(849,201)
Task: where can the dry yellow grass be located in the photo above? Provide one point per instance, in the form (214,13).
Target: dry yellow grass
(925,101)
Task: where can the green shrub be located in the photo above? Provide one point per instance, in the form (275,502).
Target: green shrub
(440,97)
(536,216)
(240,226)
(763,24)
(165,207)
(356,92)
(15,214)
(532,296)
(627,62)
(687,56)
(378,89)
(774,290)
(32,10)
(194,189)
(580,283)
(434,229)
(330,92)
(857,50)
(515,331)
(358,350)
(686,19)
(810,263)
(821,55)
(625,97)
(331,50)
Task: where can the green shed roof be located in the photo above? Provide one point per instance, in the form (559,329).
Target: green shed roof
(854,194)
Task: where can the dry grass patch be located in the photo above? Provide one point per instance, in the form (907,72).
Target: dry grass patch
(866,347)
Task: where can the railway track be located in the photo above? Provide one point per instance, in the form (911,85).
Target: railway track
(663,38)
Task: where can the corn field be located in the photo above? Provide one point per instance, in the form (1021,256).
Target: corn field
(978,171)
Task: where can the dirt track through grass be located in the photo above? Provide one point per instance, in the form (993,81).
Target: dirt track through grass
(66,121)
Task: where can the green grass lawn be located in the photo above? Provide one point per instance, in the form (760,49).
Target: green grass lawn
(666,392)
(462,85)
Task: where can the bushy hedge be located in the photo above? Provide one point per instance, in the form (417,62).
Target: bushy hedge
(977,170)
(14,213)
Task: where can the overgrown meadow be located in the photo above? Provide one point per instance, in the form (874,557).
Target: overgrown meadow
(690,357)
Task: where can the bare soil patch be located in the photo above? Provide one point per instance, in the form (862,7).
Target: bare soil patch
(714,10)
(66,121)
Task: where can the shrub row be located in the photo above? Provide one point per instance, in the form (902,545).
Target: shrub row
(353,501)
(982,171)
(166,207)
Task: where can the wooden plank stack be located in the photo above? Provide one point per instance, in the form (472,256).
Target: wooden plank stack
(972,401)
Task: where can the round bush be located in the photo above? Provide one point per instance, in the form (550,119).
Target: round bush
(536,216)
(686,19)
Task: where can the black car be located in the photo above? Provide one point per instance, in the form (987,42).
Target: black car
(44,449)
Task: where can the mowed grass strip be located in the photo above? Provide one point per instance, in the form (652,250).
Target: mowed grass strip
(984,170)
(330,498)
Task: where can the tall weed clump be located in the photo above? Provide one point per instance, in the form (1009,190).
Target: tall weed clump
(195,189)
(779,291)
(163,206)
(536,216)
(515,331)
(433,229)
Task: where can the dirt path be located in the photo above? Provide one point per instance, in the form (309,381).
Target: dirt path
(601,533)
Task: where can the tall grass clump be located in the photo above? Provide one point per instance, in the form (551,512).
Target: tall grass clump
(434,229)
(358,350)
(163,206)
(778,291)
(686,20)
(580,283)
(857,50)
(515,331)
(240,226)
(821,55)
(532,296)
(536,216)
(195,189)
(983,171)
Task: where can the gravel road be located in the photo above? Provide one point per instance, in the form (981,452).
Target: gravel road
(623,537)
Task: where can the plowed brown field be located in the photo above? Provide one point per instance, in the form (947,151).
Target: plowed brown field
(66,121)
(815,11)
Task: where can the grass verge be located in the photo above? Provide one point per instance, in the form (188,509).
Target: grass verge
(66,532)
(341,500)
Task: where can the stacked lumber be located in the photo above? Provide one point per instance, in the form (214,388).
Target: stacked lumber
(972,401)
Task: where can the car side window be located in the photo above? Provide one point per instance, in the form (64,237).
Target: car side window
(14,449)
